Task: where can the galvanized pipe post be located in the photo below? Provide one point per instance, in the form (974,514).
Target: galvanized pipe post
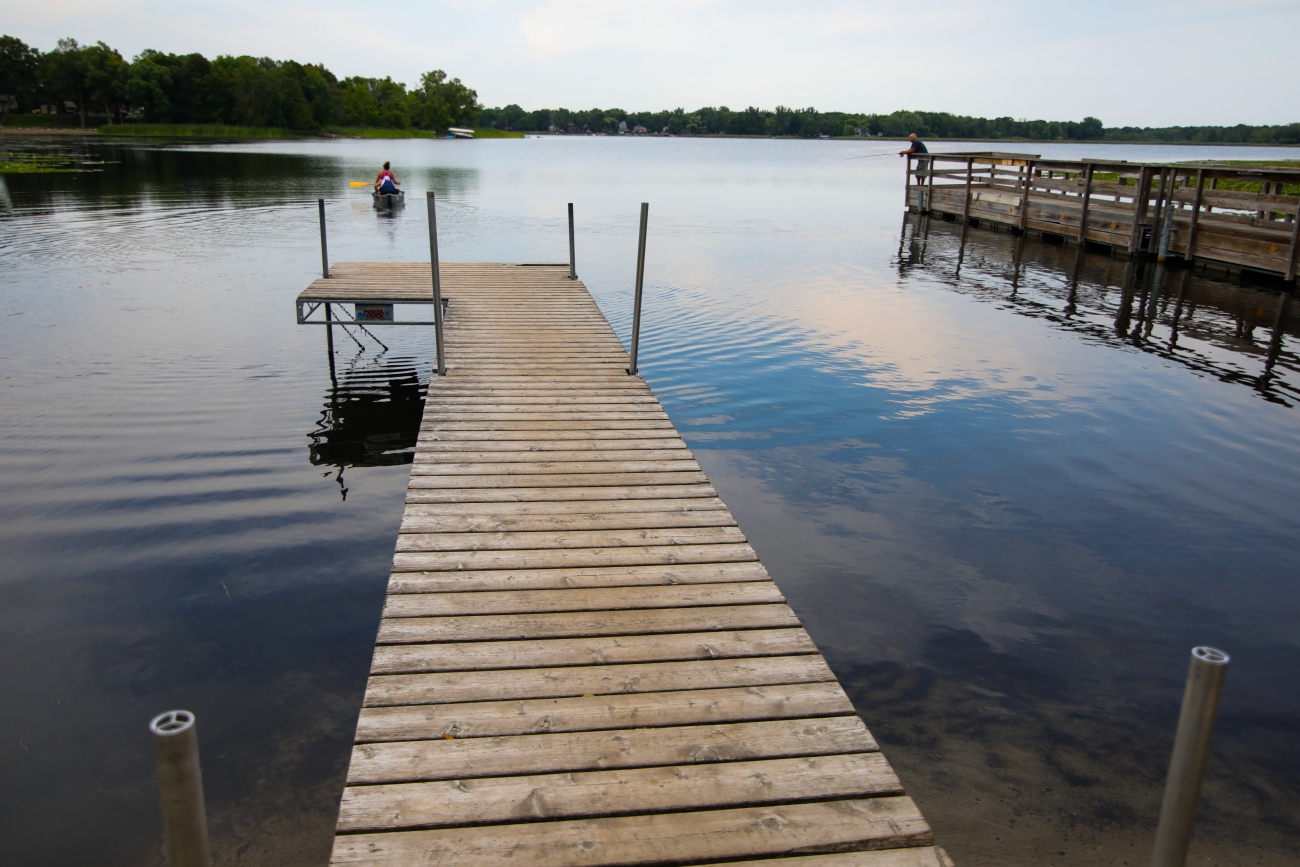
(324,252)
(640,279)
(180,784)
(437,282)
(1191,750)
(573,261)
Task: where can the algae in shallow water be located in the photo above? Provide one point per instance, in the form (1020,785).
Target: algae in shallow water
(15,163)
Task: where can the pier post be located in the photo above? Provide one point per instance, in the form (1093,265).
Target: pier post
(1140,198)
(929,186)
(1166,235)
(907,184)
(324,252)
(640,278)
(1083,213)
(573,261)
(437,282)
(1196,215)
(1191,750)
(180,784)
(1024,196)
(1295,245)
(965,210)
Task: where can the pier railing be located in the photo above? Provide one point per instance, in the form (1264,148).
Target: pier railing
(1239,216)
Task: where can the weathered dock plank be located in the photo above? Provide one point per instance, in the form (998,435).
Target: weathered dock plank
(581,659)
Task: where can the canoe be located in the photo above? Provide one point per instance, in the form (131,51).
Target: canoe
(386,201)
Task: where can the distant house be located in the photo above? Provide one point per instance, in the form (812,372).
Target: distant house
(622,127)
(49,108)
(573,129)
(638,130)
(666,131)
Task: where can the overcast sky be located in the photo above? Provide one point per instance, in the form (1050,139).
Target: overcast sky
(1140,62)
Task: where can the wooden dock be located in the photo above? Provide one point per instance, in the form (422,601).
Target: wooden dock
(581,659)
(1237,217)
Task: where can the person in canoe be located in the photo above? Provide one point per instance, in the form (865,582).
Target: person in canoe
(386,181)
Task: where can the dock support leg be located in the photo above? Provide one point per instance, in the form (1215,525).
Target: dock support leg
(1196,215)
(1083,213)
(1024,196)
(437,282)
(1191,750)
(573,261)
(324,252)
(640,279)
(1295,245)
(1140,197)
(907,184)
(965,210)
(180,783)
(929,187)
(329,343)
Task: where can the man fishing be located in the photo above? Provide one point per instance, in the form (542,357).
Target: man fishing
(387,182)
(922,163)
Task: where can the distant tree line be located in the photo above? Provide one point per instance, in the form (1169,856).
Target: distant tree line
(810,123)
(260,92)
(239,91)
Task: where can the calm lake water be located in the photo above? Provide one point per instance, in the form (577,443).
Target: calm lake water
(1006,489)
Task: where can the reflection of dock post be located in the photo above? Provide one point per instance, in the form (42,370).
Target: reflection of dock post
(437,282)
(329,343)
(1191,751)
(1275,341)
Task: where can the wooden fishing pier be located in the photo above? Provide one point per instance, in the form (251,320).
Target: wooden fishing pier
(1234,217)
(581,660)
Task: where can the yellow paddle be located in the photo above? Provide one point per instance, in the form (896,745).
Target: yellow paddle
(359,184)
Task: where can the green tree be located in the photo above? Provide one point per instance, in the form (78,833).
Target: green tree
(149,85)
(63,72)
(18,65)
(438,103)
(106,78)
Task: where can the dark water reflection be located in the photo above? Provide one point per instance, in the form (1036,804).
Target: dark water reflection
(1006,486)
(371,416)
(1234,331)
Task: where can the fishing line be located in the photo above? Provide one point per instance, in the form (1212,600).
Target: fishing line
(868,156)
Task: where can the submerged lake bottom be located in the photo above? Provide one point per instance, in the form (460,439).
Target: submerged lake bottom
(1006,486)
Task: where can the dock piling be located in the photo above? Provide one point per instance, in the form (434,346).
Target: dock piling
(1205,677)
(1166,235)
(180,785)
(573,261)
(437,282)
(324,252)
(640,279)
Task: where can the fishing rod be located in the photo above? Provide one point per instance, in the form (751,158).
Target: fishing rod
(869,156)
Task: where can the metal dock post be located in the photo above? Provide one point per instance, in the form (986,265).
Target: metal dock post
(1205,676)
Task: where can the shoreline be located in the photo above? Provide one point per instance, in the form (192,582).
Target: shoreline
(515,134)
